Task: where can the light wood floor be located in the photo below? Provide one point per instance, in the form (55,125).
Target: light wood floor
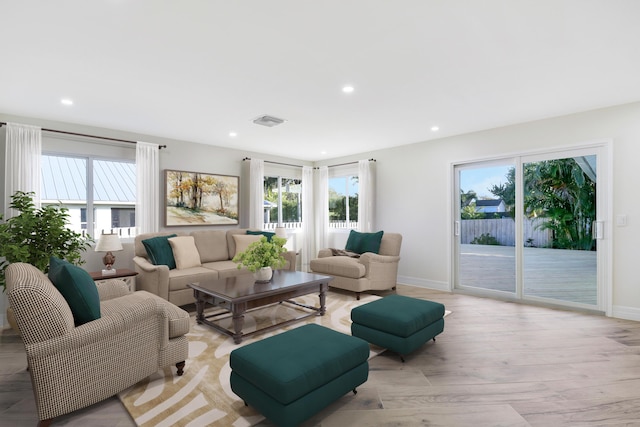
(496,364)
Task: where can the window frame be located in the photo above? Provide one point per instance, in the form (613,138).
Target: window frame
(90,206)
(348,172)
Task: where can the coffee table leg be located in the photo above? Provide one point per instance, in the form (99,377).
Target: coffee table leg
(238,322)
(199,307)
(323,298)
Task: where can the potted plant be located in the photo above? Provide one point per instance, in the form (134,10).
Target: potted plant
(34,235)
(262,257)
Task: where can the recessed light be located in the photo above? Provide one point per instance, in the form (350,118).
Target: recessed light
(347,89)
(66,101)
(323,152)
(434,128)
(233,134)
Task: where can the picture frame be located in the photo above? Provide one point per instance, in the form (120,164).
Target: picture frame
(197,198)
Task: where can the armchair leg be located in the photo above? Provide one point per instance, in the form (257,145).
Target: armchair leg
(45,423)
(180,367)
(358,296)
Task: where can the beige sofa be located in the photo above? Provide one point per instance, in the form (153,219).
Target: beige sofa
(71,366)
(216,249)
(368,272)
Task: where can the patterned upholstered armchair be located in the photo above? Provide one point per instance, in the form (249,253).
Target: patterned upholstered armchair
(71,366)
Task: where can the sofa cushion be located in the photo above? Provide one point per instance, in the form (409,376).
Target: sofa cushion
(364,242)
(243,241)
(339,266)
(78,289)
(185,252)
(212,245)
(179,279)
(267,234)
(159,250)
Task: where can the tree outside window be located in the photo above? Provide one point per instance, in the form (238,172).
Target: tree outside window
(341,213)
(282,202)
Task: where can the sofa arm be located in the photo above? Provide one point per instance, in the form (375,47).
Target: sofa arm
(112,288)
(379,266)
(370,257)
(152,278)
(290,256)
(323,253)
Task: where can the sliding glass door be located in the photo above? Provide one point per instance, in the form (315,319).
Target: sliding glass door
(485,229)
(528,227)
(560,211)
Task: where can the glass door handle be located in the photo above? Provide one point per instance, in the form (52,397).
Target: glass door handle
(456,228)
(598,230)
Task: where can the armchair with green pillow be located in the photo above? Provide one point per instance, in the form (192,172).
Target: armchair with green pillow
(368,262)
(86,342)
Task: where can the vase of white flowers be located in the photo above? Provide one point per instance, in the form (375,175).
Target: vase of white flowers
(262,257)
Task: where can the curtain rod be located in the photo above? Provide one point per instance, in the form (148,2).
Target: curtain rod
(275,163)
(89,136)
(298,166)
(345,164)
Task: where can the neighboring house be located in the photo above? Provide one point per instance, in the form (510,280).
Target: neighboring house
(490,206)
(114,193)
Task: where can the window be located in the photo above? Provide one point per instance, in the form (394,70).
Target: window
(282,202)
(341,213)
(109,207)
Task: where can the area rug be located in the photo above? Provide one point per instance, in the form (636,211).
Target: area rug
(203,396)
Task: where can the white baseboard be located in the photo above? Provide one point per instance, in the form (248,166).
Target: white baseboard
(422,283)
(627,313)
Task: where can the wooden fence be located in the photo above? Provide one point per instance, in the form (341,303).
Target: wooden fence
(504,230)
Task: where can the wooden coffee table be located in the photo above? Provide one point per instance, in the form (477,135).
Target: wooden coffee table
(239,294)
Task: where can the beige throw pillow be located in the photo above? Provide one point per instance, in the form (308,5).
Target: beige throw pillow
(185,252)
(244,240)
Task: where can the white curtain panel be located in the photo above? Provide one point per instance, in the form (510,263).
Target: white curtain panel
(22,162)
(321,209)
(147,187)
(308,246)
(366,197)
(256,194)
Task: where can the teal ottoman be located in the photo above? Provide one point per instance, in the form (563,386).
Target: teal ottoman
(293,375)
(398,323)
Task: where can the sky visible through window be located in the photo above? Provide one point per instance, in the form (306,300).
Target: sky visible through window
(337,184)
(481,180)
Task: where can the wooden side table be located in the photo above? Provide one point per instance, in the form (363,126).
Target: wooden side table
(128,276)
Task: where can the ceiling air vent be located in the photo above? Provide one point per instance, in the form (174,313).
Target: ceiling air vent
(268,121)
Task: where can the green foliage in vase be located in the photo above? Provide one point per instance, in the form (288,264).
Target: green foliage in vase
(262,254)
(34,235)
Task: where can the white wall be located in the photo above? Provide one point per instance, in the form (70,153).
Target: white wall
(414,188)
(419,211)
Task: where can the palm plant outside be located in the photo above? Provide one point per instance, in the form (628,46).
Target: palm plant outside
(560,191)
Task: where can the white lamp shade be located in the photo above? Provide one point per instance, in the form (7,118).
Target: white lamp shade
(108,243)
(281,232)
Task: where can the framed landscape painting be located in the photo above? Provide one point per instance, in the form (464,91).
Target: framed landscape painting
(195,198)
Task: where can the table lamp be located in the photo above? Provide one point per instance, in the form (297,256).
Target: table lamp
(281,232)
(108,243)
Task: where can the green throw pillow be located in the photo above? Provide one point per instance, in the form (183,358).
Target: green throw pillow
(268,234)
(364,242)
(159,250)
(78,288)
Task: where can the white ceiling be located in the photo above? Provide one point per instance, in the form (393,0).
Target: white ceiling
(197,70)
